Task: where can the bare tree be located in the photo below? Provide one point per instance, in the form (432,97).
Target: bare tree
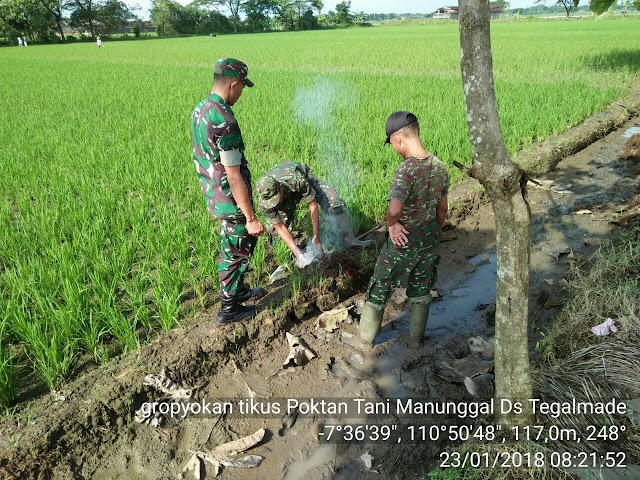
(505,183)
(568,5)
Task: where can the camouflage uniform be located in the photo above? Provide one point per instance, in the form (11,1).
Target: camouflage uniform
(419,184)
(299,184)
(217,142)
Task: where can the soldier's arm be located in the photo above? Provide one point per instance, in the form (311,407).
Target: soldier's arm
(315,221)
(286,237)
(241,196)
(394,211)
(442,209)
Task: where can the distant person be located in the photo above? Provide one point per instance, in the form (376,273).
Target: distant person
(99,41)
(19,41)
(416,213)
(225,180)
(287,184)
(24,41)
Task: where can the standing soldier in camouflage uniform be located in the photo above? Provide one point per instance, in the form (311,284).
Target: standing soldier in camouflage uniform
(225,179)
(280,191)
(416,213)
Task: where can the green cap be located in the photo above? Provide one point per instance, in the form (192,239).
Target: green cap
(230,67)
(268,193)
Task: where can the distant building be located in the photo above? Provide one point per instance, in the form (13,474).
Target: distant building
(454,12)
(446,12)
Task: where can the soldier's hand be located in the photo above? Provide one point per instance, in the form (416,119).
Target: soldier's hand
(255,227)
(398,234)
(302,262)
(316,242)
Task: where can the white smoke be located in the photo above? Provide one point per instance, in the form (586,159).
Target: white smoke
(309,255)
(319,105)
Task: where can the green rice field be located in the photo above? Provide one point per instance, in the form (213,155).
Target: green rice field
(104,230)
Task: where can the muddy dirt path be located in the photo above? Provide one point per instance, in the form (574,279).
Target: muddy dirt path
(91,432)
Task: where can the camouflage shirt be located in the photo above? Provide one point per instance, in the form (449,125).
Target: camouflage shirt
(295,178)
(217,142)
(419,183)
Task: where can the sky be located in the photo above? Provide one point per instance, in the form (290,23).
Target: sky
(367,6)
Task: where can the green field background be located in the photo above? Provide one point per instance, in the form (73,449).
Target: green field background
(104,226)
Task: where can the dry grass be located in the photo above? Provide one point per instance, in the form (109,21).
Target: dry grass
(579,365)
(597,373)
(610,288)
(632,148)
(631,215)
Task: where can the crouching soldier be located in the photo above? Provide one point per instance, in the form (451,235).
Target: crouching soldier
(416,213)
(280,191)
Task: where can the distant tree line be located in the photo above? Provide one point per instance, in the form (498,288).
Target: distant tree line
(235,16)
(47,20)
(567,7)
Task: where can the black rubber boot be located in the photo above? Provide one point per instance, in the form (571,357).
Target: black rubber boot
(251,294)
(231,311)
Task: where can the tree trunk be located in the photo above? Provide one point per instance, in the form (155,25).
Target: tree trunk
(57,14)
(504,182)
(60,29)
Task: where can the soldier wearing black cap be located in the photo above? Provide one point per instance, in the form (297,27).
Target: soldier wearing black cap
(416,213)
(225,180)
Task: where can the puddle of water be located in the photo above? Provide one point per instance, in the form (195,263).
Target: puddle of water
(457,307)
(630,132)
(456,311)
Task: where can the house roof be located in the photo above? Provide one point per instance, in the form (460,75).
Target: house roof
(456,9)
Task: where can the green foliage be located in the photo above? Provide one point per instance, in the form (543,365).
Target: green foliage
(83,15)
(28,18)
(600,6)
(171,18)
(297,14)
(113,15)
(343,14)
(257,14)
(8,364)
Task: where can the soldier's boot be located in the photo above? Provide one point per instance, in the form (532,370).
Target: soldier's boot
(370,322)
(232,311)
(251,294)
(417,323)
(345,232)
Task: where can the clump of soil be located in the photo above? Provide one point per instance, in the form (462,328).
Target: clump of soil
(631,215)
(632,148)
(468,203)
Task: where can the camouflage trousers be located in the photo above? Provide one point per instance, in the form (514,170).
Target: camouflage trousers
(235,254)
(326,196)
(413,266)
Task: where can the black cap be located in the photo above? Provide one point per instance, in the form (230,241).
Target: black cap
(399,120)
